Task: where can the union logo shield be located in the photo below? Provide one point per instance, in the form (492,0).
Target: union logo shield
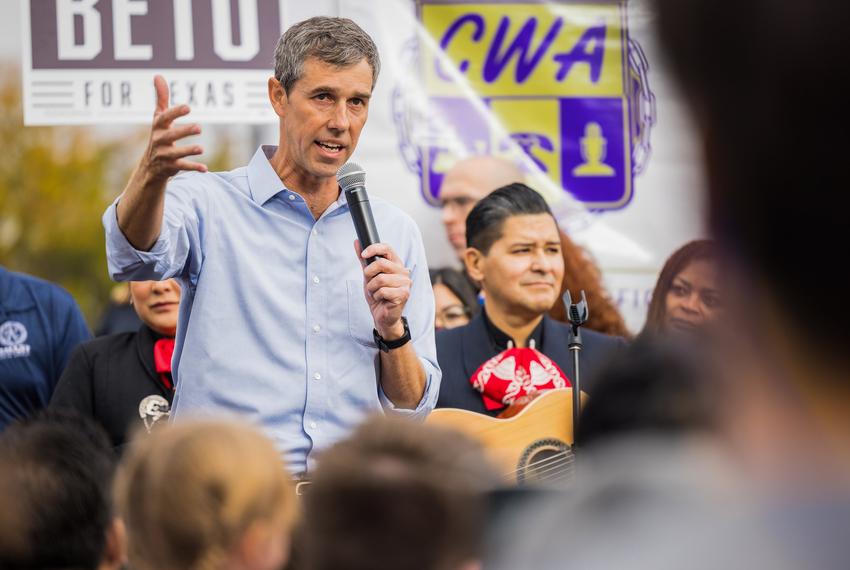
(557,87)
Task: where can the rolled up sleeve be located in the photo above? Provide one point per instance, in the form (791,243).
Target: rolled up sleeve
(177,251)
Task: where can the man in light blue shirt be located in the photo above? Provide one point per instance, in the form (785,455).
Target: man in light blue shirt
(277,319)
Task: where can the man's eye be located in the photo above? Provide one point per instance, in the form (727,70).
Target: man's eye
(357,102)
(322,97)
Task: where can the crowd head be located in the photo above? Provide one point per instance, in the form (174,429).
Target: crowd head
(55,485)
(398,495)
(772,208)
(205,495)
(467,182)
(454,296)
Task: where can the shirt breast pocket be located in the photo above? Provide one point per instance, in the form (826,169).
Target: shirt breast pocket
(360,322)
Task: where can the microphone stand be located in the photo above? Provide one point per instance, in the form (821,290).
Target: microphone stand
(577,315)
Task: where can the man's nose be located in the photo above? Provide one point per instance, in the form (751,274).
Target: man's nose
(541,262)
(447,213)
(339,120)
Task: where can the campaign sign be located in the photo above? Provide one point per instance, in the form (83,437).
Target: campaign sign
(92,61)
(554,81)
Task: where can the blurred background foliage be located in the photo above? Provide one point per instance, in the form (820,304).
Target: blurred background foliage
(55,183)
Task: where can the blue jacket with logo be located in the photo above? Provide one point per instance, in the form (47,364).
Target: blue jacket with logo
(39,325)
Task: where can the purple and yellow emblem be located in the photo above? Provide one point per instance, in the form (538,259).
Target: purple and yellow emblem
(556,86)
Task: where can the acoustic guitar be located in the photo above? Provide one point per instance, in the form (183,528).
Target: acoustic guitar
(531,447)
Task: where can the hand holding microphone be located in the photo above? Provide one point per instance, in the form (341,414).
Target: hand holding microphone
(386,280)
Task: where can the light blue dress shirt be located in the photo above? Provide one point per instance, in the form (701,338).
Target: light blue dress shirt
(274,324)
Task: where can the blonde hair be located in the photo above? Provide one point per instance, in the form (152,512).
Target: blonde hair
(189,491)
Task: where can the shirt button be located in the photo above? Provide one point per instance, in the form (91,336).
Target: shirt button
(316,279)
(291,197)
(313,425)
(317,376)
(316,328)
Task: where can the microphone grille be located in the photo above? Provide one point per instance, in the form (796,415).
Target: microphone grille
(351,175)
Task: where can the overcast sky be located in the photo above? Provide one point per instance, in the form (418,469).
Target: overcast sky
(10,30)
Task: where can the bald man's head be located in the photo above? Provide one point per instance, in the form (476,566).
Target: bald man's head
(467,182)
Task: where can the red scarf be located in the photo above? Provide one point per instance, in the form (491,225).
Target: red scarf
(516,374)
(163,349)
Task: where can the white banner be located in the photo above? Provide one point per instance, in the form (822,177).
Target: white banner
(571,91)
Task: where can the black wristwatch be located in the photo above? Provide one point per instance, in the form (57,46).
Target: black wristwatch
(387,345)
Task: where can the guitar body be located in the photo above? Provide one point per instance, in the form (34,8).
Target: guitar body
(532,446)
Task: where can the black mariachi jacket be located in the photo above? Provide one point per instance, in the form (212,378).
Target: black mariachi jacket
(460,351)
(113,379)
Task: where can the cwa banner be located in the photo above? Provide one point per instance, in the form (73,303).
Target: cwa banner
(571,91)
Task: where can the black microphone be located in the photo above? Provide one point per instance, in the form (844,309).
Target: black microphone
(352,179)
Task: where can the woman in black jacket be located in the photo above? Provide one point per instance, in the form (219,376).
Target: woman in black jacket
(124,380)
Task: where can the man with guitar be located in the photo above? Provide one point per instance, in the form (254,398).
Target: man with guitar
(512,351)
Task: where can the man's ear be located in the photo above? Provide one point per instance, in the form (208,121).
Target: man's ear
(474,261)
(277,96)
(115,549)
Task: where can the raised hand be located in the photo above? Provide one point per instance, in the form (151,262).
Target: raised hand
(163,158)
(140,208)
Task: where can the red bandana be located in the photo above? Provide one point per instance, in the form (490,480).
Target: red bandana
(515,374)
(163,349)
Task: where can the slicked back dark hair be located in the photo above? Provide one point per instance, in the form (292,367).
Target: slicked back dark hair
(57,470)
(485,221)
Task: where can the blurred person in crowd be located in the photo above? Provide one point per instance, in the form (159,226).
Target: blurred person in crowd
(455,299)
(687,295)
(55,491)
(398,495)
(284,321)
(124,380)
(464,185)
(204,495)
(781,358)
(119,315)
(40,323)
(657,387)
(470,180)
(785,350)
(515,253)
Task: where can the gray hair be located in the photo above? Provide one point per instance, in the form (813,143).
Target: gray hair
(335,41)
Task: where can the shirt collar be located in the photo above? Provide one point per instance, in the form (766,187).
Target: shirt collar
(263,181)
(499,339)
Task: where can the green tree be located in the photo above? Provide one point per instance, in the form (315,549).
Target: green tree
(55,183)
